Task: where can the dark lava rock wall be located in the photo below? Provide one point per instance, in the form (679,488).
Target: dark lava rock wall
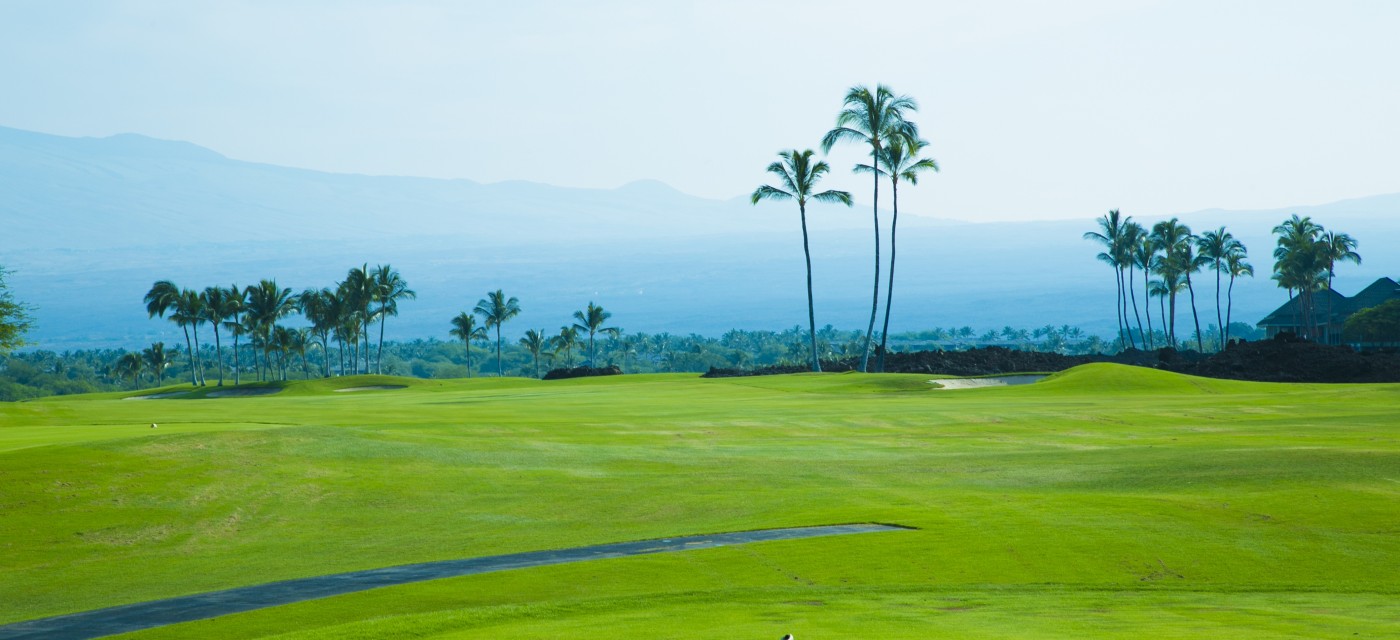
(1283,359)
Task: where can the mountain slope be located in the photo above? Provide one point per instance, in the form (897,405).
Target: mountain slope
(90,223)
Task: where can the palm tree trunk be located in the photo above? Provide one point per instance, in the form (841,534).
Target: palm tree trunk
(499,372)
(379,356)
(1146,290)
(468,345)
(1162,309)
(1136,315)
(1217,306)
(235,359)
(537,364)
(326,352)
(1118,306)
(194,380)
(1200,346)
(198,361)
(875,297)
(1172,304)
(889,289)
(218,354)
(811,308)
(1229,305)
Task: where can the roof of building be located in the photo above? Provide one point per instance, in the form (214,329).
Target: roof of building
(1330,307)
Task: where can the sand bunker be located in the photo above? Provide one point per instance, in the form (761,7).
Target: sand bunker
(377,387)
(997,381)
(239,393)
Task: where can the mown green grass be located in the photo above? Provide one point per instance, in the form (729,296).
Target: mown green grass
(1105,501)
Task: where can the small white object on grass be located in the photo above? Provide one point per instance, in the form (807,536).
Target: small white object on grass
(787,636)
(153,425)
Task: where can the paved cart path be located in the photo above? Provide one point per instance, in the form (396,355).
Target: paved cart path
(158,613)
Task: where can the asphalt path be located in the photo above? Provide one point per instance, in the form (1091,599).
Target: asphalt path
(158,613)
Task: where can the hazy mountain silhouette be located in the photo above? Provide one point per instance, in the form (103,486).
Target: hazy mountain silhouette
(89,223)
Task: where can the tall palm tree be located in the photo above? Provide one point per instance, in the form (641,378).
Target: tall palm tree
(157,359)
(566,341)
(1216,247)
(1300,264)
(534,342)
(220,304)
(1112,235)
(130,364)
(320,308)
(464,328)
(1237,267)
(233,322)
(282,341)
(189,311)
(872,118)
(591,320)
(899,160)
(1174,240)
(390,288)
(300,344)
(1336,247)
(164,297)
(1132,235)
(361,292)
(798,176)
(268,303)
(1193,263)
(1142,253)
(495,309)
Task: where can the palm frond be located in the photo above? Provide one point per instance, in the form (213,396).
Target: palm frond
(766,192)
(833,196)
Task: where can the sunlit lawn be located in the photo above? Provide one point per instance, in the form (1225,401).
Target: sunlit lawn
(1107,501)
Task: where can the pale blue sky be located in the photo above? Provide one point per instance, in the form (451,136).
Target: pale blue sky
(1035,110)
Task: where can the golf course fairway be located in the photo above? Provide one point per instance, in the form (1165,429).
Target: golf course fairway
(1105,501)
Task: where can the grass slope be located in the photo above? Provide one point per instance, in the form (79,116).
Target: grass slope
(1106,501)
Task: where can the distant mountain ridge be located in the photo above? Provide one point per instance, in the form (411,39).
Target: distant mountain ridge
(89,223)
(117,190)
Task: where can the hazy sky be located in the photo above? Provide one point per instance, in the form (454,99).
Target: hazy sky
(1034,109)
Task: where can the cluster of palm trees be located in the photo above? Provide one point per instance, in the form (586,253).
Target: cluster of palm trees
(133,364)
(495,309)
(1171,253)
(1305,261)
(880,120)
(345,313)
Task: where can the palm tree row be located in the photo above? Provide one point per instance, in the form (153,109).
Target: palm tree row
(344,313)
(496,309)
(1172,253)
(879,119)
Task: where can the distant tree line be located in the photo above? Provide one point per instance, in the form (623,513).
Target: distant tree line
(36,373)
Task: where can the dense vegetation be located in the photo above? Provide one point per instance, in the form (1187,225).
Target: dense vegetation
(37,373)
(1379,324)
(1108,501)
(14,318)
